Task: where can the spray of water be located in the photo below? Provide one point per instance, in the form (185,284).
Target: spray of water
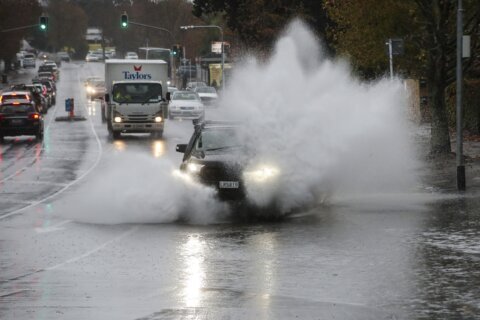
(136,188)
(329,133)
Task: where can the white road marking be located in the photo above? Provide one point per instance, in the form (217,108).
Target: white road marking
(55,227)
(81,177)
(88,253)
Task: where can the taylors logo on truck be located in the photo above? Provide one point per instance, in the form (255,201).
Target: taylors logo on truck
(136,74)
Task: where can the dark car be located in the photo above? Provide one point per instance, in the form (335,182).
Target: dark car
(50,67)
(21,117)
(216,156)
(8,96)
(37,95)
(51,88)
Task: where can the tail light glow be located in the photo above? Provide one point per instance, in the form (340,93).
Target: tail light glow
(34,116)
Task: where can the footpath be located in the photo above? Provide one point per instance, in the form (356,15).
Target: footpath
(442,171)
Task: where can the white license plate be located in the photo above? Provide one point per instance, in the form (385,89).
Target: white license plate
(229,184)
(17,121)
(138,126)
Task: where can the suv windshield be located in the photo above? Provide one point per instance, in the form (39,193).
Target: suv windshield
(218,139)
(7,97)
(137,92)
(185,96)
(21,108)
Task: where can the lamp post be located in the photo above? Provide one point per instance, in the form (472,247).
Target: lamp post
(461,186)
(221,39)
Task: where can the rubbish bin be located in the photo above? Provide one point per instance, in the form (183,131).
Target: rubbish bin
(4,78)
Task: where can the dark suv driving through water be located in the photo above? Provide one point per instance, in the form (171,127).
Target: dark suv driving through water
(216,156)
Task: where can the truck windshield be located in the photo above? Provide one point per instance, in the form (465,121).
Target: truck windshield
(137,92)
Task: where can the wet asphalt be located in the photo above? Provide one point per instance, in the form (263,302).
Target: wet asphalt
(414,256)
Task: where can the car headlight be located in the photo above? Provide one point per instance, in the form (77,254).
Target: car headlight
(262,174)
(117,119)
(194,167)
(158,119)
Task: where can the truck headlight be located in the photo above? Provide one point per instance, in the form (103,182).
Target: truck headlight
(158,119)
(262,174)
(117,119)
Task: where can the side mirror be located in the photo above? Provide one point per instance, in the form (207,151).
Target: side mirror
(107,98)
(181,148)
(168,96)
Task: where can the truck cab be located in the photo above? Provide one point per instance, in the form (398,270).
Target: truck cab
(136,96)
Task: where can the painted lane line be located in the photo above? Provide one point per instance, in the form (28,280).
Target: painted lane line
(75,259)
(89,253)
(55,227)
(81,177)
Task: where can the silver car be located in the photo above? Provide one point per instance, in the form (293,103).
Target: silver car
(185,105)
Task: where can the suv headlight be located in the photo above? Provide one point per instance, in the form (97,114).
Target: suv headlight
(261,174)
(194,167)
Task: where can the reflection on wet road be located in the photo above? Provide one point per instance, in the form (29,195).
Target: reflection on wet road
(109,245)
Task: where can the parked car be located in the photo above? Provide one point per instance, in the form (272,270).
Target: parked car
(185,105)
(131,55)
(92,58)
(51,88)
(46,75)
(29,60)
(9,96)
(20,117)
(208,95)
(52,66)
(45,93)
(64,56)
(37,95)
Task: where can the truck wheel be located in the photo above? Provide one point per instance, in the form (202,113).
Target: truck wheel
(104,119)
(1,139)
(116,134)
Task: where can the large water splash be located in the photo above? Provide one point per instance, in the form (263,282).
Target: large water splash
(329,132)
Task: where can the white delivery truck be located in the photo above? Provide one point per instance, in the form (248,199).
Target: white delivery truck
(136,96)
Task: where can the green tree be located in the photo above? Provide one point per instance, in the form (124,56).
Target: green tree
(429,29)
(67,26)
(258,22)
(16,13)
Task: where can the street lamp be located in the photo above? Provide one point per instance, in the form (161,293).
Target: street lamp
(221,39)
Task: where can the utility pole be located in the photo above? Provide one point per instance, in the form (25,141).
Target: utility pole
(461,185)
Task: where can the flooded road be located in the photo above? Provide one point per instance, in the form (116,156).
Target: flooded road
(85,234)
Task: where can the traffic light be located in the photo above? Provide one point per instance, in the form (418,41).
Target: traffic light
(43,23)
(124,20)
(175,51)
(180,51)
